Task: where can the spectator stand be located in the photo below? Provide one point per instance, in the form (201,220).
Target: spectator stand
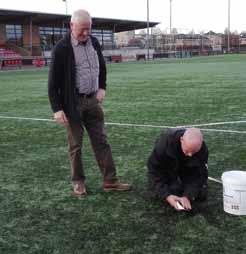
(9,59)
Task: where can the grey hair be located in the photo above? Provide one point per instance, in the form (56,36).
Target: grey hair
(81,16)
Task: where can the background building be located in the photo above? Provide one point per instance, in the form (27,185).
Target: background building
(35,34)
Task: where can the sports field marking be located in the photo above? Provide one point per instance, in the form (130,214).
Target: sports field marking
(142,125)
(27,118)
(131,125)
(166,127)
(213,124)
(220,130)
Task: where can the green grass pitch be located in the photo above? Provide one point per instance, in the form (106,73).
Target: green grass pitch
(38,214)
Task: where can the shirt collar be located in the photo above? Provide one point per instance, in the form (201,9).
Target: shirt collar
(75,42)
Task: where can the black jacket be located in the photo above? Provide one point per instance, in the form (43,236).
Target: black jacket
(61,84)
(167,163)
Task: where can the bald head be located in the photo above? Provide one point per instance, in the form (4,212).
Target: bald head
(81,25)
(191,141)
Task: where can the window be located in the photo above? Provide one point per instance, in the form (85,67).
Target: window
(105,38)
(49,36)
(14,34)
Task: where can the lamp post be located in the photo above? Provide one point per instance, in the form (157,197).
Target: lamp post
(228,30)
(63,22)
(147,29)
(170,16)
(171,32)
(65,5)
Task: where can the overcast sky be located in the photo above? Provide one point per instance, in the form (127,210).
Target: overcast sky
(199,15)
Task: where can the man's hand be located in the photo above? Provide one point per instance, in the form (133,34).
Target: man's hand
(172,200)
(60,117)
(100,95)
(184,201)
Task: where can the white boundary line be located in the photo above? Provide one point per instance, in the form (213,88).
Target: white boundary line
(166,127)
(27,118)
(213,124)
(142,125)
(220,130)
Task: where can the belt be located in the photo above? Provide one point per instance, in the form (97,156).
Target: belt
(85,95)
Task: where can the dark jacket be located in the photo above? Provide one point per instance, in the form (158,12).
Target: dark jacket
(61,84)
(167,163)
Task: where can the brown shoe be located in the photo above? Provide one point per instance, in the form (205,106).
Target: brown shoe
(79,188)
(116,186)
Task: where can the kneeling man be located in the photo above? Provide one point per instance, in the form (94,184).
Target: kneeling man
(177,168)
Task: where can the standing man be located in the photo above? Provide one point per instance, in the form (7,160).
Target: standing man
(177,168)
(77,83)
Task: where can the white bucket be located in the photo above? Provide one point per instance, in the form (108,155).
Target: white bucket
(234,192)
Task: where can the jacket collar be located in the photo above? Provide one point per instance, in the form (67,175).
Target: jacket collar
(173,142)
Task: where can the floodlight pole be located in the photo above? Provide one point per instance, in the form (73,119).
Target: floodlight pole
(228,30)
(65,5)
(170,16)
(148,30)
(171,32)
(239,42)
(63,23)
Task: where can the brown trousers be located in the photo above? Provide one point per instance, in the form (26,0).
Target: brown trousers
(92,119)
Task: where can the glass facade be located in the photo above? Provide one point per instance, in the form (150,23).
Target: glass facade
(105,37)
(49,36)
(14,34)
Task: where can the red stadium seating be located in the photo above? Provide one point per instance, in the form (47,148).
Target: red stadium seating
(9,59)
(38,62)
(116,58)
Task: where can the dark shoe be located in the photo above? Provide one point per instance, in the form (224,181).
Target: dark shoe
(79,188)
(116,186)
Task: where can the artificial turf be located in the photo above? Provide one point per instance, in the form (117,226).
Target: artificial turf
(38,214)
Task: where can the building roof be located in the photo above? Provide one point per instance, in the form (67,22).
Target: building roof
(49,19)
